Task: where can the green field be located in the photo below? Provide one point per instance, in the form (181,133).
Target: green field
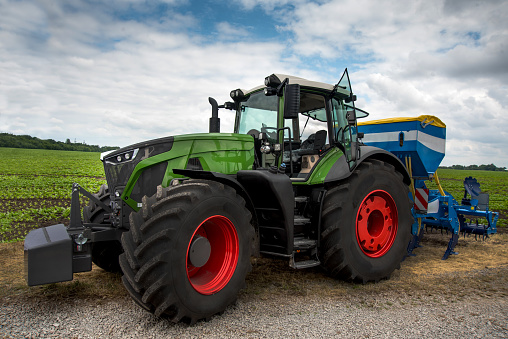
(35,187)
(494,183)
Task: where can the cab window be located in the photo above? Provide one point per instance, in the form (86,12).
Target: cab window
(312,118)
(257,112)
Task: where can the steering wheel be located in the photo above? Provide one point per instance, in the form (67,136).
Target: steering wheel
(254,132)
(272,135)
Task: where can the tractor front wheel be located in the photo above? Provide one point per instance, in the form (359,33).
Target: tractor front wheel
(104,253)
(187,252)
(366,224)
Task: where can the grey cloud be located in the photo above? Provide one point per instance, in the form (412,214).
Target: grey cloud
(146,86)
(129,79)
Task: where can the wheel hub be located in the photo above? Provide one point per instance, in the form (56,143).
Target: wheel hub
(199,251)
(376,224)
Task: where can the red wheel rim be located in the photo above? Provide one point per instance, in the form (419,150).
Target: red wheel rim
(376,224)
(215,274)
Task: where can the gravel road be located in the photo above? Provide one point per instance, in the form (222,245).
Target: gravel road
(386,316)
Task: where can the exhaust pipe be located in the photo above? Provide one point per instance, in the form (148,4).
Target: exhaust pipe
(214,120)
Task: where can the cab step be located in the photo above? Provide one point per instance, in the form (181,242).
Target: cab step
(303,244)
(301,199)
(306,248)
(303,263)
(300,220)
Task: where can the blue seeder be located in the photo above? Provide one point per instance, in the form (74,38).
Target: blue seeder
(420,144)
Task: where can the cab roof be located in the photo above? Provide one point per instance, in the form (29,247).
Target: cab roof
(302,82)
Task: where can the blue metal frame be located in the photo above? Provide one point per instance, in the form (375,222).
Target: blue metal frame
(450,216)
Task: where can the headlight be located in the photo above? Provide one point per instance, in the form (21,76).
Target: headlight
(269,91)
(272,81)
(237,94)
(122,157)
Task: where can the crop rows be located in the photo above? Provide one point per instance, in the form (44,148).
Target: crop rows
(35,187)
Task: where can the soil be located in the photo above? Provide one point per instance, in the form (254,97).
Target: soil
(480,269)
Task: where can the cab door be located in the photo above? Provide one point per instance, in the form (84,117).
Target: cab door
(344,119)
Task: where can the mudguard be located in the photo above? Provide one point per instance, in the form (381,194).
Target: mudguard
(340,169)
(265,193)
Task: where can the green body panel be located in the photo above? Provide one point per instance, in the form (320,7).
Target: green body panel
(226,153)
(322,168)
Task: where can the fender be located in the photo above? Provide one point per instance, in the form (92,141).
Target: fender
(340,170)
(229,180)
(225,179)
(262,191)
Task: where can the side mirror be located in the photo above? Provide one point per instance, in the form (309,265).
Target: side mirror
(350,98)
(351,117)
(291,101)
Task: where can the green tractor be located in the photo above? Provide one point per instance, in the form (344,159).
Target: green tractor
(181,216)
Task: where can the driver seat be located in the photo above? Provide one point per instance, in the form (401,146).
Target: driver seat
(318,145)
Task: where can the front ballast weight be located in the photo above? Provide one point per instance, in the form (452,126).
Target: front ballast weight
(54,253)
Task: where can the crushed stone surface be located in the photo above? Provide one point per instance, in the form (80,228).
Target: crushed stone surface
(392,316)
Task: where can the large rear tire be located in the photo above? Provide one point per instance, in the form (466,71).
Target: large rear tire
(104,253)
(187,252)
(366,224)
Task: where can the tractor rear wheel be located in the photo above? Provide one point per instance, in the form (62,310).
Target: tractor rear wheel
(104,253)
(187,252)
(366,224)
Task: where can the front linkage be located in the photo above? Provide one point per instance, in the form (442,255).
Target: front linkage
(54,253)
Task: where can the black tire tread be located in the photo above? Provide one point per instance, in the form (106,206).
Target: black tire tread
(93,212)
(104,254)
(333,236)
(144,263)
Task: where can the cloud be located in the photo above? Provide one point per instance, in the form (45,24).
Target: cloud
(118,72)
(228,31)
(267,5)
(420,57)
(152,81)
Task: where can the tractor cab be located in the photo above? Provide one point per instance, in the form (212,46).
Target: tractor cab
(296,122)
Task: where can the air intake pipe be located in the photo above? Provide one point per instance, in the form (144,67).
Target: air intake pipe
(214,120)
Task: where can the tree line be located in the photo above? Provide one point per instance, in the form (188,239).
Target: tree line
(490,167)
(27,141)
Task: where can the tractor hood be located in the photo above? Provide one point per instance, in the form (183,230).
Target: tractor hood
(136,170)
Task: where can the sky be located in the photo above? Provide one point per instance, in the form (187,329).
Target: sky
(116,72)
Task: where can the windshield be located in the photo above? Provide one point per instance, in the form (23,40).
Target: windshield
(257,112)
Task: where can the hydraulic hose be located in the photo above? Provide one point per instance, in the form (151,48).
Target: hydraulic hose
(439,184)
